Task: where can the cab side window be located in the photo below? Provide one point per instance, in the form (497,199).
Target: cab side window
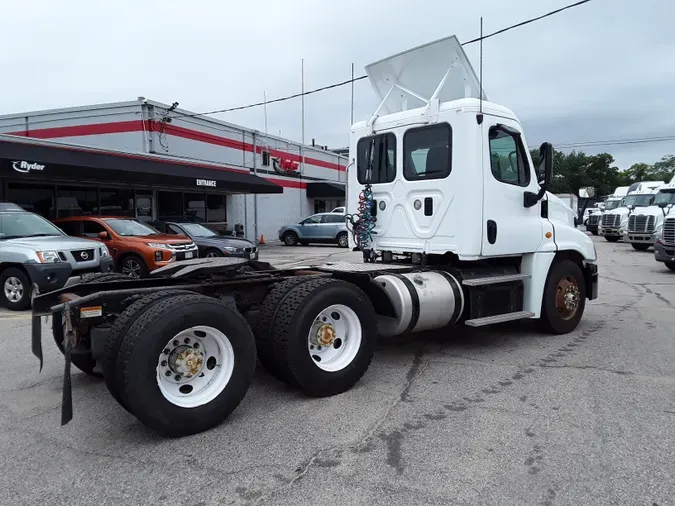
(427,152)
(507,158)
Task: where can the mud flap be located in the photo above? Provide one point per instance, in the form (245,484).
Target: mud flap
(68,338)
(36,338)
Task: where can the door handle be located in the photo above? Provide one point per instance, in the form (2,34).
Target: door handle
(491,231)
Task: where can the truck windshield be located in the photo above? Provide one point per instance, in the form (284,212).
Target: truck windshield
(13,225)
(611,204)
(665,197)
(129,228)
(638,200)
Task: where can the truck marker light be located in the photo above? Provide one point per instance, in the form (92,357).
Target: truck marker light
(549,235)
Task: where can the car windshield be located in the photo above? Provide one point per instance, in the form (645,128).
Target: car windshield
(665,197)
(611,204)
(638,200)
(14,225)
(197,230)
(131,227)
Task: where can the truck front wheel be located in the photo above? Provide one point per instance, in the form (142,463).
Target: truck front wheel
(612,238)
(322,336)
(639,246)
(564,298)
(185,364)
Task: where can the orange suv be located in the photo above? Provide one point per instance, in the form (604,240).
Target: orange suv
(136,247)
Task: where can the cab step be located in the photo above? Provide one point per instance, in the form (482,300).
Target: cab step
(492,280)
(499,318)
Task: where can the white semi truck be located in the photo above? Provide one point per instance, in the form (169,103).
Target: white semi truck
(644,223)
(456,228)
(594,224)
(614,222)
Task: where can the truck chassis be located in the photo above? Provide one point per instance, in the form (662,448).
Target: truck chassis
(178,349)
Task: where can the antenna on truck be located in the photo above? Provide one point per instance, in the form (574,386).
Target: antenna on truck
(479,118)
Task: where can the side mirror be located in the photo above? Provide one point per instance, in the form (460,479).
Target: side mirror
(103,235)
(545,169)
(663,205)
(631,207)
(587,193)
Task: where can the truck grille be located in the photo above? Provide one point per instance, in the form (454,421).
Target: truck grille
(669,231)
(83,255)
(593,219)
(611,221)
(641,223)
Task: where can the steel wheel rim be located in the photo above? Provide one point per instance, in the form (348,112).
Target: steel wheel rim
(195,366)
(13,288)
(334,338)
(131,268)
(567,297)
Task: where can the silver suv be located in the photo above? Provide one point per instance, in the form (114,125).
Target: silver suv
(33,251)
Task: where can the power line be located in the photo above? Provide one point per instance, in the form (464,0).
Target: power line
(615,142)
(349,81)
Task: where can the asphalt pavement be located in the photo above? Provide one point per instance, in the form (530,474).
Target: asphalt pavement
(494,416)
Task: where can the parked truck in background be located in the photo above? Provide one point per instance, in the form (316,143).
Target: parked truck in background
(594,224)
(455,225)
(615,221)
(646,222)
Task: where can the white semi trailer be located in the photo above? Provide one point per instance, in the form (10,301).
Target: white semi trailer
(456,228)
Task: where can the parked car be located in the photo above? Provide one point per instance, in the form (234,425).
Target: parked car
(318,228)
(136,247)
(33,251)
(209,243)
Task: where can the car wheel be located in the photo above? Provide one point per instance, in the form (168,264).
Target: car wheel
(16,289)
(671,265)
(133,267)
(343,240)
(290,238)
(213,253)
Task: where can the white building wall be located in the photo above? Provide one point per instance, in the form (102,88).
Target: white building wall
(138,127)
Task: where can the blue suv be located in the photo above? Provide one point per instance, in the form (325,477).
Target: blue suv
(318,228)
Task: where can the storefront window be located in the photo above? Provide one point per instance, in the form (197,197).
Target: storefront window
(116,202)
(144,206)
(195,207)
(216,210)
(35,198)
(169,206)
(74,201)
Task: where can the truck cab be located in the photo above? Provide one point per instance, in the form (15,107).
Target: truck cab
(449,180)
(645,223)
(615,221)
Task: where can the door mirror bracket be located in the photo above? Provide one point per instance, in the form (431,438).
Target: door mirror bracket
(544,175)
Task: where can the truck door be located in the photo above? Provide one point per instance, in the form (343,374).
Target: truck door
(509,227)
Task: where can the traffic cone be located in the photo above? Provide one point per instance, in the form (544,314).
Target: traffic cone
(262,239)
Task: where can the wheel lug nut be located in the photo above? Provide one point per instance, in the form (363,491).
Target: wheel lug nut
(164,362)
(177,377)
(176,342)
(166,351)
(187,340)
(196,345)
(168,373)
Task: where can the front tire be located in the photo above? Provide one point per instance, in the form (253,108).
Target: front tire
(191,388)
(16,289)
(321,337)
(343,240)
(640,246)
(133,266)
(612,238)
(564,298)
(290,238)
(594,232)
(671,265)
(213,253)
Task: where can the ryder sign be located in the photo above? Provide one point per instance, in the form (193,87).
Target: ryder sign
(25,167)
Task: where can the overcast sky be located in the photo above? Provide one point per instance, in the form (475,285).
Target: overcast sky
(604,70)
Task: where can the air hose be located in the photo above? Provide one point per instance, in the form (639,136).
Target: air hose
(363,221)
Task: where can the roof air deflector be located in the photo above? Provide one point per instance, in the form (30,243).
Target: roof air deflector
(438,71)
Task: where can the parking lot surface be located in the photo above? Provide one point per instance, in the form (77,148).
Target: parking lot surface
(497,416)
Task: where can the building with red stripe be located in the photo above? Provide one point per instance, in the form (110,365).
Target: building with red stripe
(214,171)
